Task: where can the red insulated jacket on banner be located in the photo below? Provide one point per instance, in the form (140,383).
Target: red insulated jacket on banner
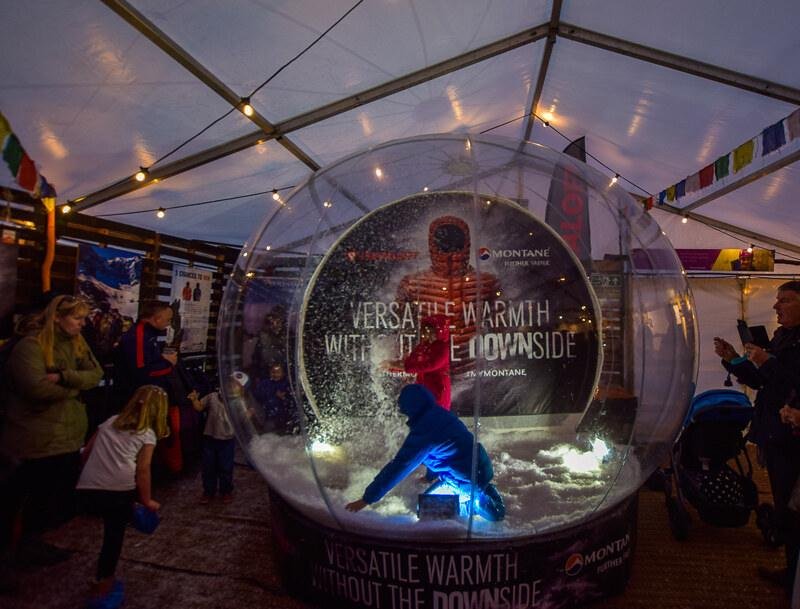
(431,361)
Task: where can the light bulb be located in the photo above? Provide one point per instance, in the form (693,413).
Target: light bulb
(615,178)
(161,212)
(275,195)
(141,174)
(684,220)
(65,209)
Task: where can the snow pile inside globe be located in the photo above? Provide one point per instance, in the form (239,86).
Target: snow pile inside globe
(536,301)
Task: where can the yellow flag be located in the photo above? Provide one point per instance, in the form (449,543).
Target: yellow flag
(743,155)
(49,203)
(5,129)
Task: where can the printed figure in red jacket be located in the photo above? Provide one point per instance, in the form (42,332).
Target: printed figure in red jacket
(451,284)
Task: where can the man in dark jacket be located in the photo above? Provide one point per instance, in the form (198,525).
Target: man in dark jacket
(775,373)
(438,439)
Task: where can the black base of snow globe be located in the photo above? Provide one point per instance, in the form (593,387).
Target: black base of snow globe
(564,569)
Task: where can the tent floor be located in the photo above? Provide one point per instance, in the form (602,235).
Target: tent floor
(219,556)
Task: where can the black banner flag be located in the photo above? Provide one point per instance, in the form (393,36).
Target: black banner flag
(568,204)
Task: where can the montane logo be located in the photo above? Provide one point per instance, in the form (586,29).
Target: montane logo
(522,253)
(609,555)
(484,253)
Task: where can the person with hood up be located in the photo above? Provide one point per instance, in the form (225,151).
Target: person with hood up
(430,359)
(441,441)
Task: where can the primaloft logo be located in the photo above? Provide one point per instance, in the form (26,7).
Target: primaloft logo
(484,253)
(610,555)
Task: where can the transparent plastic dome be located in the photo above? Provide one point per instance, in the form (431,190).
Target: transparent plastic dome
(572,333)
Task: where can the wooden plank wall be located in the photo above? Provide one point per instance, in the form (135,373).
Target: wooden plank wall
(27,218)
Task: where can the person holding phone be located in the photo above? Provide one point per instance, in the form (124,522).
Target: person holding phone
(774,372)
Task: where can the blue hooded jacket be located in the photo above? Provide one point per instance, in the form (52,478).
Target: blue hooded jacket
(436,438)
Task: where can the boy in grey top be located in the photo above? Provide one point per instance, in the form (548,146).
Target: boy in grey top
(218,448)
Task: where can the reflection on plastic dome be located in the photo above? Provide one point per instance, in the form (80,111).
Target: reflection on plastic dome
(536,303)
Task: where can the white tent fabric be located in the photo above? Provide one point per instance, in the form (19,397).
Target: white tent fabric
(92,98)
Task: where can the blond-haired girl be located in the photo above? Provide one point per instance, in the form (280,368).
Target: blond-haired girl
(118,465)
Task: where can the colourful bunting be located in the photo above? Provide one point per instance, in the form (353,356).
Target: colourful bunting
(693,183)
(706,176)
(648,203)
(772,138)
(743,156)
(20,164)
(722,167)
(793,124)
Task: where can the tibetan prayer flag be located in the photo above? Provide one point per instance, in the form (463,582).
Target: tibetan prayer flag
(743,156)
(27,176)
(793,124)
(693,183)
(46,188)
(722,167)
(772,138)
(680,189)
(12,154)
(661,196)
(648,203)
(706,176)
(671,193)
(5,129)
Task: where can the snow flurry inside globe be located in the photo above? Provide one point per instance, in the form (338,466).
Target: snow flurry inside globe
(541,310)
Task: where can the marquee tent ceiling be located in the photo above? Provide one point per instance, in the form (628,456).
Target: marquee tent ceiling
(96,89)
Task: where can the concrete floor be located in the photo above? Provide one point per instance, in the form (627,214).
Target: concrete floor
(219,556)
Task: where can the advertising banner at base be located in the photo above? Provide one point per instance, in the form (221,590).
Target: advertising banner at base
(566,569)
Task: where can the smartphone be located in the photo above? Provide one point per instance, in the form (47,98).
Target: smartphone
(756,335)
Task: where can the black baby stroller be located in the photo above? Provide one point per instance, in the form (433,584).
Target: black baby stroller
(711,436)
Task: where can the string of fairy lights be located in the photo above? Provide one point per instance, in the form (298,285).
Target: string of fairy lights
(245,107)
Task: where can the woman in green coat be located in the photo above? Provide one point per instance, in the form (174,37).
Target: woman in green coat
(45,423)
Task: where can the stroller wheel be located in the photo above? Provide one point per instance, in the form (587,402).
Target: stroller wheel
(765,521)
(679,518)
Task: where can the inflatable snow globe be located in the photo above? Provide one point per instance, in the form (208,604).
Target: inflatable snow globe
(546,326)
